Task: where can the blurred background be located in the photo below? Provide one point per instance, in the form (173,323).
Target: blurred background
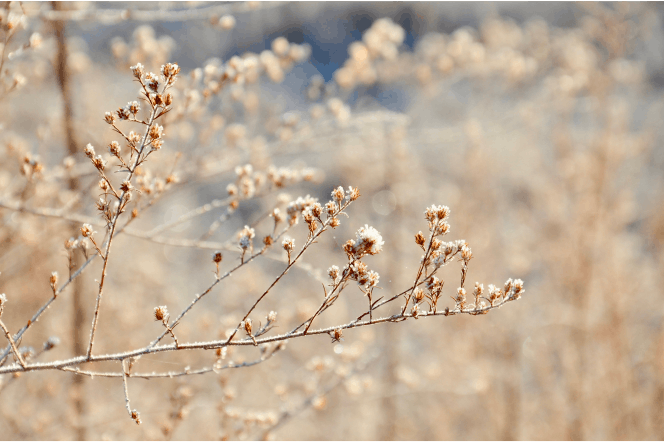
(538,124)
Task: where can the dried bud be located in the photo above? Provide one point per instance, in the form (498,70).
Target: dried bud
(272,316)
(268,240)
(170,70)
(3,300)
(461,295)
(156,131)
(353,193)
(337,334)
(135,415)
(89,151)
(330,208)
(109,117)
(518,285)
(333,272)
(168,100)
(54,279)
(86,230)
(217,257)
(126,186)
(103,185)
(114,148)
(288,244)
(317,210)
(247,326)
(161,313)
(138,70)
(466,253)
(338,194)
(420,239)
(418,295)
(134,107)
(334,223)
(99,162)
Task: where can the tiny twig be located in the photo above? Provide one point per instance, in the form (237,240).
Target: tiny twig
(135,415)
(12,344)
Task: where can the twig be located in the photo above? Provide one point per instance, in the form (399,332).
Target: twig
(135,415)
(12,344)
(150,349)
(170,374)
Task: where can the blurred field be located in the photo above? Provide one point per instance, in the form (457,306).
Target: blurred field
(538,124)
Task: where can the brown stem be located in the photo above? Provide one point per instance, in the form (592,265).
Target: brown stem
(77,327)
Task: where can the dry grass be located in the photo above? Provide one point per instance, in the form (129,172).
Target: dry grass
(150,256)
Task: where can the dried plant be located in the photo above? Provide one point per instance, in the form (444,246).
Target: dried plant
(174,250)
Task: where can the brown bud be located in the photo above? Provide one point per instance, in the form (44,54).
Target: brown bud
(337,334)
(420,239)
(54,279)
(161,313)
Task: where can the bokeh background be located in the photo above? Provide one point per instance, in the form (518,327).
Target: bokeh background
(538,124)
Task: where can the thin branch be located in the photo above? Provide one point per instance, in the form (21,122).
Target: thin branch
(12,344)
(312,239)
(217,281)
(120,209)
(150,349)
(135,415)
(169,374)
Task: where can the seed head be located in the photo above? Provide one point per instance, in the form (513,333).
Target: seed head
(247,326)
(217,257)
(89,151)
(338,194)
(288,244)
(333,273)
(138,70)
(86,230)
(161,313)
(353,193)
(420,239)
(368,241)
(114,148)
(126,186)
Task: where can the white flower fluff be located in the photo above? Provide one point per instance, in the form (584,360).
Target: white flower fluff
(368,240)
